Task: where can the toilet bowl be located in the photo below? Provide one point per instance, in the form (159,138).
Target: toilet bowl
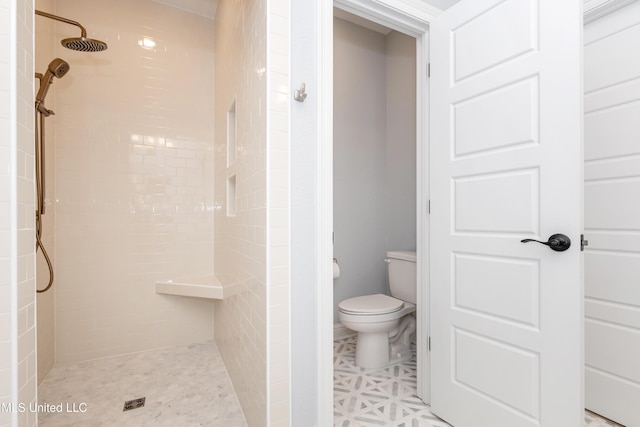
(384,325)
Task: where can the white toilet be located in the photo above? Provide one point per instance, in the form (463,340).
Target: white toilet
(385,323)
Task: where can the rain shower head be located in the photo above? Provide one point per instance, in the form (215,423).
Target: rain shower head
(57,68)
(82,43)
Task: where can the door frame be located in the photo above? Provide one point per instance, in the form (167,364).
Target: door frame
(411,17)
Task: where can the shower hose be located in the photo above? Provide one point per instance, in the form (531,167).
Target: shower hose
(39,155)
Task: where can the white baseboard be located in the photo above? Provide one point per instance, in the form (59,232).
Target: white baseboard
(340,332)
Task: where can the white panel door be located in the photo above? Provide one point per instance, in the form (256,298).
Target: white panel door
(506,162)
(612,215)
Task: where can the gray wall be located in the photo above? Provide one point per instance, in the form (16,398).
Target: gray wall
(374,155)
(401,141)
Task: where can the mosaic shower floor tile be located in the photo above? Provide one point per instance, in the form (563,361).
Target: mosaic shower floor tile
(386,397)
(184,386)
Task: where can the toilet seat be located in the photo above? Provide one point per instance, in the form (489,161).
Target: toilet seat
(375,304)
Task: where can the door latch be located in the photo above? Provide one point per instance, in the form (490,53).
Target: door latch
(583,242)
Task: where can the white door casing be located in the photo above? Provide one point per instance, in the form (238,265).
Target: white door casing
(612,216)
(506,129)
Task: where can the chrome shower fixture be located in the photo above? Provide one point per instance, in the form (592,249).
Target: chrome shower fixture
(82,43)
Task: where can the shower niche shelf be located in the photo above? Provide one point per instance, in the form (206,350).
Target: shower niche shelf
(207,287)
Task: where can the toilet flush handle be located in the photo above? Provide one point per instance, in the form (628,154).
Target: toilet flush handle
(387,260)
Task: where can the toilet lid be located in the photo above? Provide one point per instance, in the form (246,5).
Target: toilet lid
(371,304)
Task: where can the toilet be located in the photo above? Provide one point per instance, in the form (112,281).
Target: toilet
(385,323)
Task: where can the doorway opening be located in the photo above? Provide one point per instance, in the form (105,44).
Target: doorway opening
(379,172)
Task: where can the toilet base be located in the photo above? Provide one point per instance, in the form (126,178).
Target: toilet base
(372,350)
(400,343)
(377,350)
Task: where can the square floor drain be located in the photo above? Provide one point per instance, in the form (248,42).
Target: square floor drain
(133,404)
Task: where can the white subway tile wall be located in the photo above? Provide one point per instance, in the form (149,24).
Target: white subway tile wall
(241,240)
(252,246)
(17,279)
(278,252)
(134,178)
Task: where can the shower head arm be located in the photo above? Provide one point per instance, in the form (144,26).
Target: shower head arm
(61,19)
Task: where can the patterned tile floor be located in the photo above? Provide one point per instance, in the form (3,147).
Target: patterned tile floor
(386,397)
(184,386)
(189,386)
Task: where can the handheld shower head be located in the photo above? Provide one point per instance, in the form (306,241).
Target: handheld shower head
(57,68)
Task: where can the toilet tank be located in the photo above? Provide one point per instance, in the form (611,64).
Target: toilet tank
(402,275)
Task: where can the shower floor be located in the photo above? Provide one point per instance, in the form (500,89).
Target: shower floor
(183,386)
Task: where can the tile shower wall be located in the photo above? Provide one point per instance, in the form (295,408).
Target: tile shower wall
(252,242)
(134,178)
(279,213)
(240,238)
(44,53)
(17,278)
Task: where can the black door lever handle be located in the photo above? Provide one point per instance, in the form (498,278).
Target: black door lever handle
(557,242)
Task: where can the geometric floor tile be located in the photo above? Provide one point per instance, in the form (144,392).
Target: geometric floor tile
(594,420)
(376,397)
(386,397)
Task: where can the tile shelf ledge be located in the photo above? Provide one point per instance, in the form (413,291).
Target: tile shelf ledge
(207,287)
